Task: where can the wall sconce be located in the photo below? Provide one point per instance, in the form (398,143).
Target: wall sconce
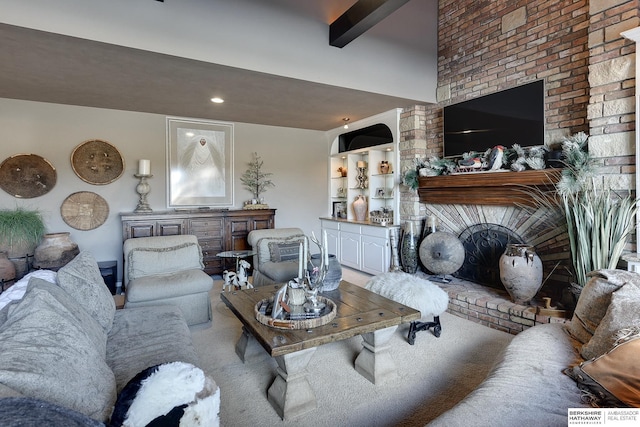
(346,122)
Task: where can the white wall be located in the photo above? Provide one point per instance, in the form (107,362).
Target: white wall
(256,35)
(297,158)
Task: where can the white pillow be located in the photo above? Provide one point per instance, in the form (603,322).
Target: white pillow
(16,292)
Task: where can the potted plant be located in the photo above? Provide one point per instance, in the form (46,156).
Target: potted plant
(255,180)
(599,221)
(20,232)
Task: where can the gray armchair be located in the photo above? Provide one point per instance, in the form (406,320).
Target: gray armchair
(276,259)
(167,270)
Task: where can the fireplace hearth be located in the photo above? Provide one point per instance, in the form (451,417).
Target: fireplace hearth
(486,230)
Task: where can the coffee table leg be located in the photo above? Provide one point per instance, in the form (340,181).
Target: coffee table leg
(374,361)
(247,348)
(291,394)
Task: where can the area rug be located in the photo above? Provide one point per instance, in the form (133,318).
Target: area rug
(434,374)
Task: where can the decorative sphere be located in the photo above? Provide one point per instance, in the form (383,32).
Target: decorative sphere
(442,253)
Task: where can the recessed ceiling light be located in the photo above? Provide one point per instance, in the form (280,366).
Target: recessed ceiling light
(217,100)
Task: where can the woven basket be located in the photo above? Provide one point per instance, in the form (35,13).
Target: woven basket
(297,324)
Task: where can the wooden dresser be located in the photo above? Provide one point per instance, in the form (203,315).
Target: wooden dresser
(217,230)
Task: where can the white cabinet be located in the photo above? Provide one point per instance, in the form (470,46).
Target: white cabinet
(375,254)
(350,249)
(359,246)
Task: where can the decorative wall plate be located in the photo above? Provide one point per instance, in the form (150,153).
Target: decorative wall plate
(84,210)
(27,176)
(97,162)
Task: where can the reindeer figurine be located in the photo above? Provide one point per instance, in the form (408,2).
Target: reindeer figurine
(242,278)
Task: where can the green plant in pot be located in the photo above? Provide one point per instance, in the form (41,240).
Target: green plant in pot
(599,221)
(20,233)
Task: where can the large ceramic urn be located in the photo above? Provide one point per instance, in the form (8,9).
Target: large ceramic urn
(521,272)
(55,251)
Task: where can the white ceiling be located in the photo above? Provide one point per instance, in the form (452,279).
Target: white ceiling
(50,63)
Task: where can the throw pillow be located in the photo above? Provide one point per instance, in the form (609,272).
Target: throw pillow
(281,251)
(143,262)
(594,301)
(264,252)
(82,280)
(46,354)
(90,326)
(622,314)
(613,379)
(170,394)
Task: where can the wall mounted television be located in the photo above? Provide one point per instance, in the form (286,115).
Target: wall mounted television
(511,116)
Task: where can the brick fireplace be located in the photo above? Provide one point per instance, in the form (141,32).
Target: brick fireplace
(587,68)
(484,299)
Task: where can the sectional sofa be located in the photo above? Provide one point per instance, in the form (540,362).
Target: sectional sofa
(63,343)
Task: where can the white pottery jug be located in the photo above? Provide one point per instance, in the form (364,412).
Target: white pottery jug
(521,272)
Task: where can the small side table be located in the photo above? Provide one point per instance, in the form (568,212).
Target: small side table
(109,272)
(633,262)
(237,255)
(119,300)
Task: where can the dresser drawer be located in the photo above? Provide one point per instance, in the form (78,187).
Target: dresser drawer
(206,227)
(210,247)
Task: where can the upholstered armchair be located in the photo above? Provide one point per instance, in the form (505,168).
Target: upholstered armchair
(167,270)
(277,251)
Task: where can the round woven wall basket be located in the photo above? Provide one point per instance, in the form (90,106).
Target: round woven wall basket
(27,176)
(84,210)
(97,162)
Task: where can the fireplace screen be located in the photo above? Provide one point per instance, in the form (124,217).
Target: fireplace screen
(483,246)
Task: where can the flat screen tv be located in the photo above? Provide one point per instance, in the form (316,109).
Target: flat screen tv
(512,116)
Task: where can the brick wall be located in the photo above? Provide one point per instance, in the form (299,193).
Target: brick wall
(574,46)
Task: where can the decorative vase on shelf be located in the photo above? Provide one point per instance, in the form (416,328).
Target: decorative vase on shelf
(409,249)
(360,208)
(521,272)
(361,177)
(55,251)
(384,167)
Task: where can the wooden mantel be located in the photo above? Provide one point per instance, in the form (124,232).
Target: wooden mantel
(486,188)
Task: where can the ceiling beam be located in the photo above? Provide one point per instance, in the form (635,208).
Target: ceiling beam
(360,17)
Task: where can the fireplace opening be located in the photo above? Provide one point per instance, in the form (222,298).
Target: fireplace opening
(483,246)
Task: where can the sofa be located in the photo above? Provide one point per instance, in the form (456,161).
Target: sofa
(277,254)
(545,370)
(63,342)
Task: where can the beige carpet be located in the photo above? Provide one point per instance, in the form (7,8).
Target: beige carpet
(433,375)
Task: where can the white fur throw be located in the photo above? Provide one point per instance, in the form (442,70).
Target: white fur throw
(173,394)
(412,291)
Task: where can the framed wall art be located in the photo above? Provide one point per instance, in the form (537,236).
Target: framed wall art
(339,210)
(199,162)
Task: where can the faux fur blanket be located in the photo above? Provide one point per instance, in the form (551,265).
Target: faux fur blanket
(411,290)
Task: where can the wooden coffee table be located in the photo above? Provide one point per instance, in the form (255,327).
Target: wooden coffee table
(359,312)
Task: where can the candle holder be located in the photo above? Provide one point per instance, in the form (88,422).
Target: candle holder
(143,188)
